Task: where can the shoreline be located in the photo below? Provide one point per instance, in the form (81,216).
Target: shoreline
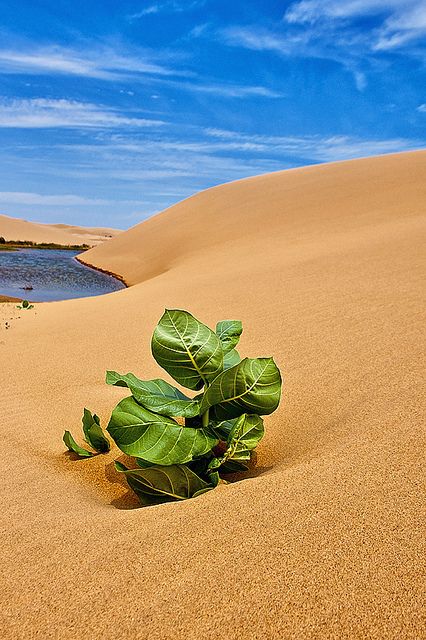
(105,271)
(5,299)
(9,299)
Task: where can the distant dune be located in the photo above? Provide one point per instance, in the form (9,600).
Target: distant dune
(17,229)
(325,266)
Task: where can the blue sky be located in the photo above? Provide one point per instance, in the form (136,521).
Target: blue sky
(111,111)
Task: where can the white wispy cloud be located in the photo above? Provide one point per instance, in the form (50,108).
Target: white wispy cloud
(102,62)
(40,113)
(30,198)
(402,20)
(300,43)
(169,6)
(318,148)
(58,200)
(422,108)
(327,29)
(228,90)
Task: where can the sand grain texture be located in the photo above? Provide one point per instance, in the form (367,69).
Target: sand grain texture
(325,267)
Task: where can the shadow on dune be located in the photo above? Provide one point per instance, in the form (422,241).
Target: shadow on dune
(129,500)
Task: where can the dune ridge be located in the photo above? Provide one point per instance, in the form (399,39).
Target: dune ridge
(325,267)
(17,229)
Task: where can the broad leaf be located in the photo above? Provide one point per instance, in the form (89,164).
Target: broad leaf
(229,332)
(93,433)
(233,465)
(246,432)
(157,484)
(71,444)
(231,358)
(252,386)
(143,464)
(187,349)
(157,395)
(156,438)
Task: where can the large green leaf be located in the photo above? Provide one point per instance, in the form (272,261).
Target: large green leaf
(252,386)
(229,332)
(187,349)
(157,395)
(243,433)
(71,445)
(93,433)
(157,484)
(231,358)
(156,438)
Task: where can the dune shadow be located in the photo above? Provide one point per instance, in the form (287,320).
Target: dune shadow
(129,499)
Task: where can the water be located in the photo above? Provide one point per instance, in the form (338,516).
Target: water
(53,274)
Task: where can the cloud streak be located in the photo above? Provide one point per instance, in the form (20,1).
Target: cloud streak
(103,63)
(40,113)
(170,6)
(403,21)
(30,198)
(328,29)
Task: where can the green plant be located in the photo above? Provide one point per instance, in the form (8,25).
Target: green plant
(93,435)
(183,445)
(25,305)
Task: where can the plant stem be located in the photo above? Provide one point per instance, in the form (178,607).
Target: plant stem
(205,419)
(205,416)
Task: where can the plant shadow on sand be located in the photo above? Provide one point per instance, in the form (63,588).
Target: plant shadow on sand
(129,500)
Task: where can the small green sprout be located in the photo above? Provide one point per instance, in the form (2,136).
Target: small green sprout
(25,305)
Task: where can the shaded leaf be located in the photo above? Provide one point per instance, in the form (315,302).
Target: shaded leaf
(93,433)
(157,484)
(155,438)
(229,332)
(233,466)
(71,444)
(246,432)
(187,349)
(252,386)
(156,395)
(143,464)
(230,359)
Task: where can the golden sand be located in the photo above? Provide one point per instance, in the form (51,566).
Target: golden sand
(16,229)
(325,267)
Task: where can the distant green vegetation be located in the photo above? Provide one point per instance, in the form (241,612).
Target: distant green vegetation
(14,245)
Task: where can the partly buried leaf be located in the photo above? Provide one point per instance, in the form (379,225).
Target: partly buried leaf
(229,332)
(93,433)
(242,435)
(71,444)
(233,465)
(156,395)
(231,358)
(246,431)
(158,484)
(155,438)
(187,349)
(252,386)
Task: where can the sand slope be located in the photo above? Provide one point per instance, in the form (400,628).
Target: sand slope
(325,267)
(16,229)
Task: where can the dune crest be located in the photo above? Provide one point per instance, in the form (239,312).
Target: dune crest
(17,229)
(325,267)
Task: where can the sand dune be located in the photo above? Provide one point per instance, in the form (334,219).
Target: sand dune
(16,229)
(324,265)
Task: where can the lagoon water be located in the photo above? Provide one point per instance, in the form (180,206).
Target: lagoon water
(53,274)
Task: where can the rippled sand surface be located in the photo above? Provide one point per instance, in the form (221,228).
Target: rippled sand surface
(325,267)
